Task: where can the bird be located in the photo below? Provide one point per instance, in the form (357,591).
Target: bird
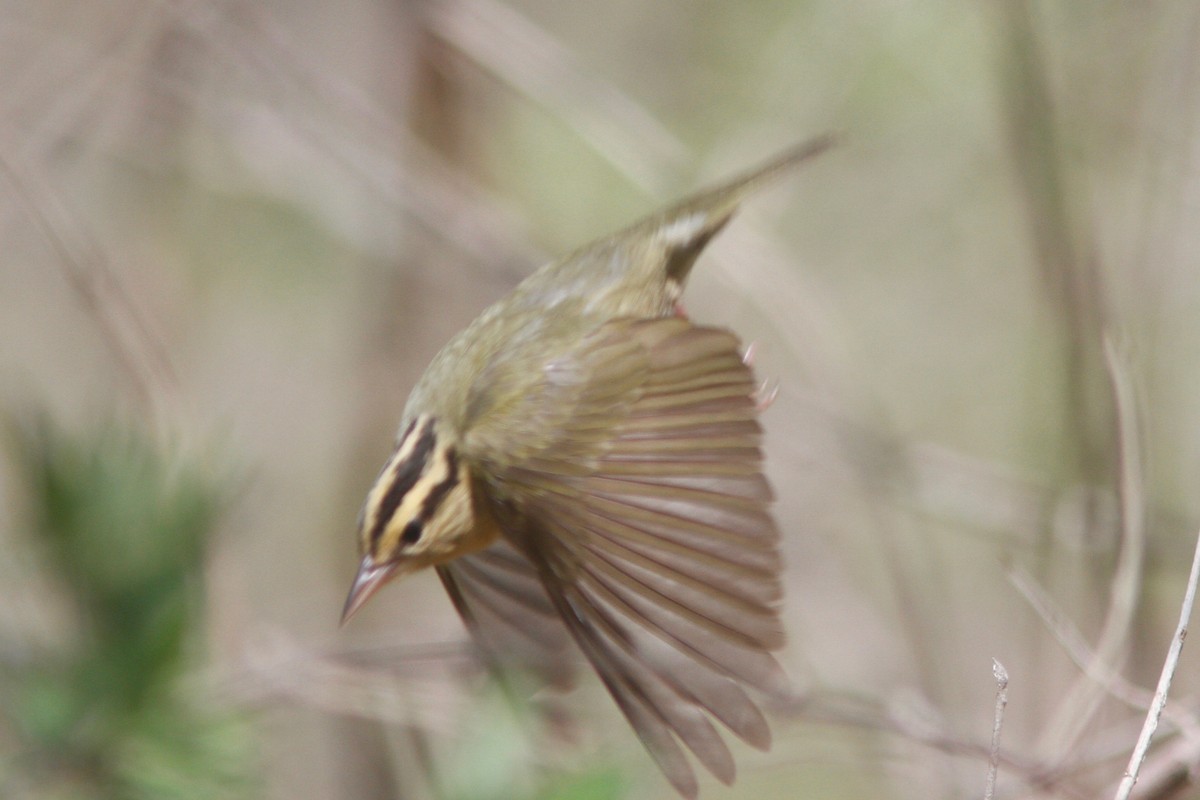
(583,463)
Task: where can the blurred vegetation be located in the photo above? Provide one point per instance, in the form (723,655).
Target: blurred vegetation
(103,709)
(250,224)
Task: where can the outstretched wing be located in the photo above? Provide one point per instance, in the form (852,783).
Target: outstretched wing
(500,597)
(645,514)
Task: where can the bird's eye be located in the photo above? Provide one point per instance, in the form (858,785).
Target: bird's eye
(412,532)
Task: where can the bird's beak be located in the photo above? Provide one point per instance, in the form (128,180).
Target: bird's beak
(367,582)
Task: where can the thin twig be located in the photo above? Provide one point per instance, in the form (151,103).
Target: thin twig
(1164,682)
(1081,702)
(1080,652)
(840,709)
(1001,676)
(1169,769)
(361,681)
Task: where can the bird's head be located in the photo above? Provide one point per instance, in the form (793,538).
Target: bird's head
(420,511)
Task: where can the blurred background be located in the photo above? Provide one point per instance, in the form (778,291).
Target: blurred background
(234,233)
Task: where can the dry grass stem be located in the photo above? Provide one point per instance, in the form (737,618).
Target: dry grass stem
(1164,681)
(1081,702)
(1001,676)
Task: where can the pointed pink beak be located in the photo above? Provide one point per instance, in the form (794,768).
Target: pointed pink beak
(367,582)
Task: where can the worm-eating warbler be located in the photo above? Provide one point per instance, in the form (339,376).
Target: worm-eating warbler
(583,462)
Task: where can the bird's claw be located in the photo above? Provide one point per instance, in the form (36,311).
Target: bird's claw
(766,393)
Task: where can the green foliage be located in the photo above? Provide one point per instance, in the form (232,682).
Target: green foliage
(497,760)
(105,714)
(601,783)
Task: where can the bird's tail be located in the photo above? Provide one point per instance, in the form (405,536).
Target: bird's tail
(688,226)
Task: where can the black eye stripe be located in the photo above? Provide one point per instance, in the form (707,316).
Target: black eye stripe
(407,475)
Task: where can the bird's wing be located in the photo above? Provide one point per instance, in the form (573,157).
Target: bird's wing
(645,513)
(499,595)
